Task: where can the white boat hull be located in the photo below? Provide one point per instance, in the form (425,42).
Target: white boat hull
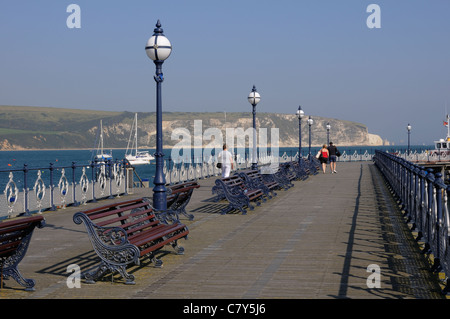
(139,159)
(103,158)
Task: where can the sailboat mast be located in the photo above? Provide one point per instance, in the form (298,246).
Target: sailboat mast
(101,137)
(448,127)
(135,134)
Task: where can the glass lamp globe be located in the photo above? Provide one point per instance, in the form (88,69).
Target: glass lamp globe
(254,97)
(300,113)
(158,47)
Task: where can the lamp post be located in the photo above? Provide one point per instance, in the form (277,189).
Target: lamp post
(328,133)
(310,122)
(158,49)
(408,128)
(254,99)
(300,114)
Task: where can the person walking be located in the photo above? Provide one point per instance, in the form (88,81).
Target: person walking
(226,159)
(323,157)
(332,150)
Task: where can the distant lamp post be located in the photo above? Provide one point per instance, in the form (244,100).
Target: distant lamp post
(408,128)
(328,133)
(158,49)
(300,114)
(310,122)
(254,99)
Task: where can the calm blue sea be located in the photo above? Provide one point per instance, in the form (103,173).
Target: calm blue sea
(14,161)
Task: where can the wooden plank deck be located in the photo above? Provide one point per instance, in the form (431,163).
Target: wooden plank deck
(314,241)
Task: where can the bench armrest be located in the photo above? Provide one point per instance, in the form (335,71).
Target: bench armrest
(233,193)
(114,236)
(167,216)
(110,243)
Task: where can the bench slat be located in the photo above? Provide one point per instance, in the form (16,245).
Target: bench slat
(7,248)
(163,243)
(122,219)
(111,210)
(155,233)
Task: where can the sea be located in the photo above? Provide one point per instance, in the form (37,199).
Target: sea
(15,162)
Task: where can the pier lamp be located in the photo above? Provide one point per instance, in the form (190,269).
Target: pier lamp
(408,128)
(310,123)
(328,133)
(158,49)
(254,99)
(300,114)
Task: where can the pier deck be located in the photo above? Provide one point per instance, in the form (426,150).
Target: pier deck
(314,241)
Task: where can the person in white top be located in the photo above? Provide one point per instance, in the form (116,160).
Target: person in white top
(226,159)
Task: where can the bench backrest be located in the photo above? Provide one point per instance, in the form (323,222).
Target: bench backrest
(132,216)
(180,192)
(254,174)
(234,180)
(12,232)
(183,187)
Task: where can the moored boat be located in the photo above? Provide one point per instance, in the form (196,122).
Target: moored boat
(102,156)
(442,146)
(132,154)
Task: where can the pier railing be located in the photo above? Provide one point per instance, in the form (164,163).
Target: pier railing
(196,169)
(423,197)
(199,168)
(27,191)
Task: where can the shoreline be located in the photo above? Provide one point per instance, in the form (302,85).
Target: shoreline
(195,147)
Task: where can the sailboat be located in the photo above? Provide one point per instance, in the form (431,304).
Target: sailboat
(101,155)
(139,157)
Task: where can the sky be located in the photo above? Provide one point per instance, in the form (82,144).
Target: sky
(320,54)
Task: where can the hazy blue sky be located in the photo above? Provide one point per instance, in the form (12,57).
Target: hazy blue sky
(318,53)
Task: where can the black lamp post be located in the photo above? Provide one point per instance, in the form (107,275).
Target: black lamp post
(328,133)
(158,49)
(254,99)
(310,122)
(300,115)
(408,127)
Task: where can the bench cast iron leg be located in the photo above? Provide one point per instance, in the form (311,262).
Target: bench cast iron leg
(92,276)
(17,276)
(178,249)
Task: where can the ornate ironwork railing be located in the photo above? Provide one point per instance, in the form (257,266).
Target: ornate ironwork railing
(73,186)
(423,196)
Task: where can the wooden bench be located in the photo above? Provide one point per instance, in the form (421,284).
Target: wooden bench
(15,237)
(302,166)
(281,177)
(234,190)
(300,170)
(313,164)
(179,195)
(285,169)
(254,179)
(123,232)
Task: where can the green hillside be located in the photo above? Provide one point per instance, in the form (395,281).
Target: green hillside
(25,127)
